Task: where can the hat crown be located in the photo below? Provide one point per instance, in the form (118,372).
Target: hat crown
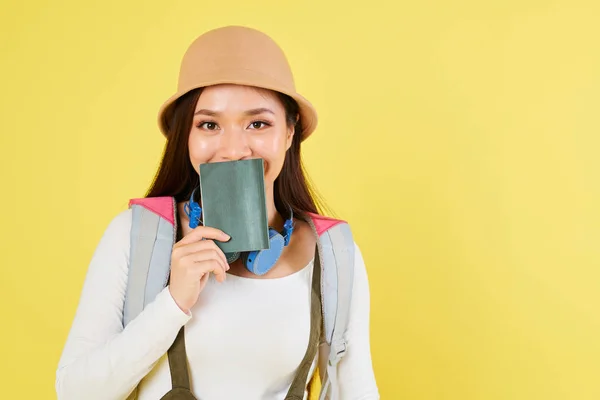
(226,51)
(237,55)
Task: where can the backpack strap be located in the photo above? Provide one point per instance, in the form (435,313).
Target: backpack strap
(153,234)
(298,385)
(336,247)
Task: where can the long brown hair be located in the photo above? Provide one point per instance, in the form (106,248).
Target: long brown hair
(176,177)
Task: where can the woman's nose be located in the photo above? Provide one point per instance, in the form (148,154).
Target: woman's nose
(234,145)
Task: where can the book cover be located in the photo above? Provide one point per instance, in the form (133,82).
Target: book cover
(232,195)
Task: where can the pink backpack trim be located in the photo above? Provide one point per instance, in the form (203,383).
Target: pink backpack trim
(322,223)
(163,207)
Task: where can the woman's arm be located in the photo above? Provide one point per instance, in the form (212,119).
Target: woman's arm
(100,360)
(356,378)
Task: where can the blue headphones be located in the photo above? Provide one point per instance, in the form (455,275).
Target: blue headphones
(258,262)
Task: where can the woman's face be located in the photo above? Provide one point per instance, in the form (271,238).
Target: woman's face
(233,122)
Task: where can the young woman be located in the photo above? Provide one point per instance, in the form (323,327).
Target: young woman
(245,335)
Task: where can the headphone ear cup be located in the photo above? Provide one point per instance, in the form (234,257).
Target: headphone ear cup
(260,262)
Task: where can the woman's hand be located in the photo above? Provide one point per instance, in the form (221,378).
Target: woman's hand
(192,260)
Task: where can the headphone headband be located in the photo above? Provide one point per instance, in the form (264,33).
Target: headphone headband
(288,228)
(193,211)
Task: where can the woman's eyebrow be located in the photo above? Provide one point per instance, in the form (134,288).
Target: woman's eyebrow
(253,111)
(256,111)
(207,112)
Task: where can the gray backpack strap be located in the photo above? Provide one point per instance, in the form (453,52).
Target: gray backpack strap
(151,242)
(152,239)
(337,253)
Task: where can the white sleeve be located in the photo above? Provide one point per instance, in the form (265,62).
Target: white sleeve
(100,360)
(356,377)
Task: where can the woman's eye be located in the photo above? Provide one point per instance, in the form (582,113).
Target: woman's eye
(211,126)
(258,124)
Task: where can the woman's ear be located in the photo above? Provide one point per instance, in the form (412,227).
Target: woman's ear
(291,133)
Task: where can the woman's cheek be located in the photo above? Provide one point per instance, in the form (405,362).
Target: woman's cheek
(273,168)
(271,148)
(200,152)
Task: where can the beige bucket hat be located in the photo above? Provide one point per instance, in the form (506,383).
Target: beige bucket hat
(237,55)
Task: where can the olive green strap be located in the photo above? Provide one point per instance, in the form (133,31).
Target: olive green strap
(133,395)
(180,377)
(298,386)
(177,355)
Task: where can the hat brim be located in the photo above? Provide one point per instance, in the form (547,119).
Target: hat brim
(308,114)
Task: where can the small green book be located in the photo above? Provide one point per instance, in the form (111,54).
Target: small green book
(232,195)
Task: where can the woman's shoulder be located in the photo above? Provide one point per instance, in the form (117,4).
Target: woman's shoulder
(118,230)
(121,221)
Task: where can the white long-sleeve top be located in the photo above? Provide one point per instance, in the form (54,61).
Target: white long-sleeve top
(245,337)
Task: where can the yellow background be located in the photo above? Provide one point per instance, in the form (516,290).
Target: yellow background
(460,139)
